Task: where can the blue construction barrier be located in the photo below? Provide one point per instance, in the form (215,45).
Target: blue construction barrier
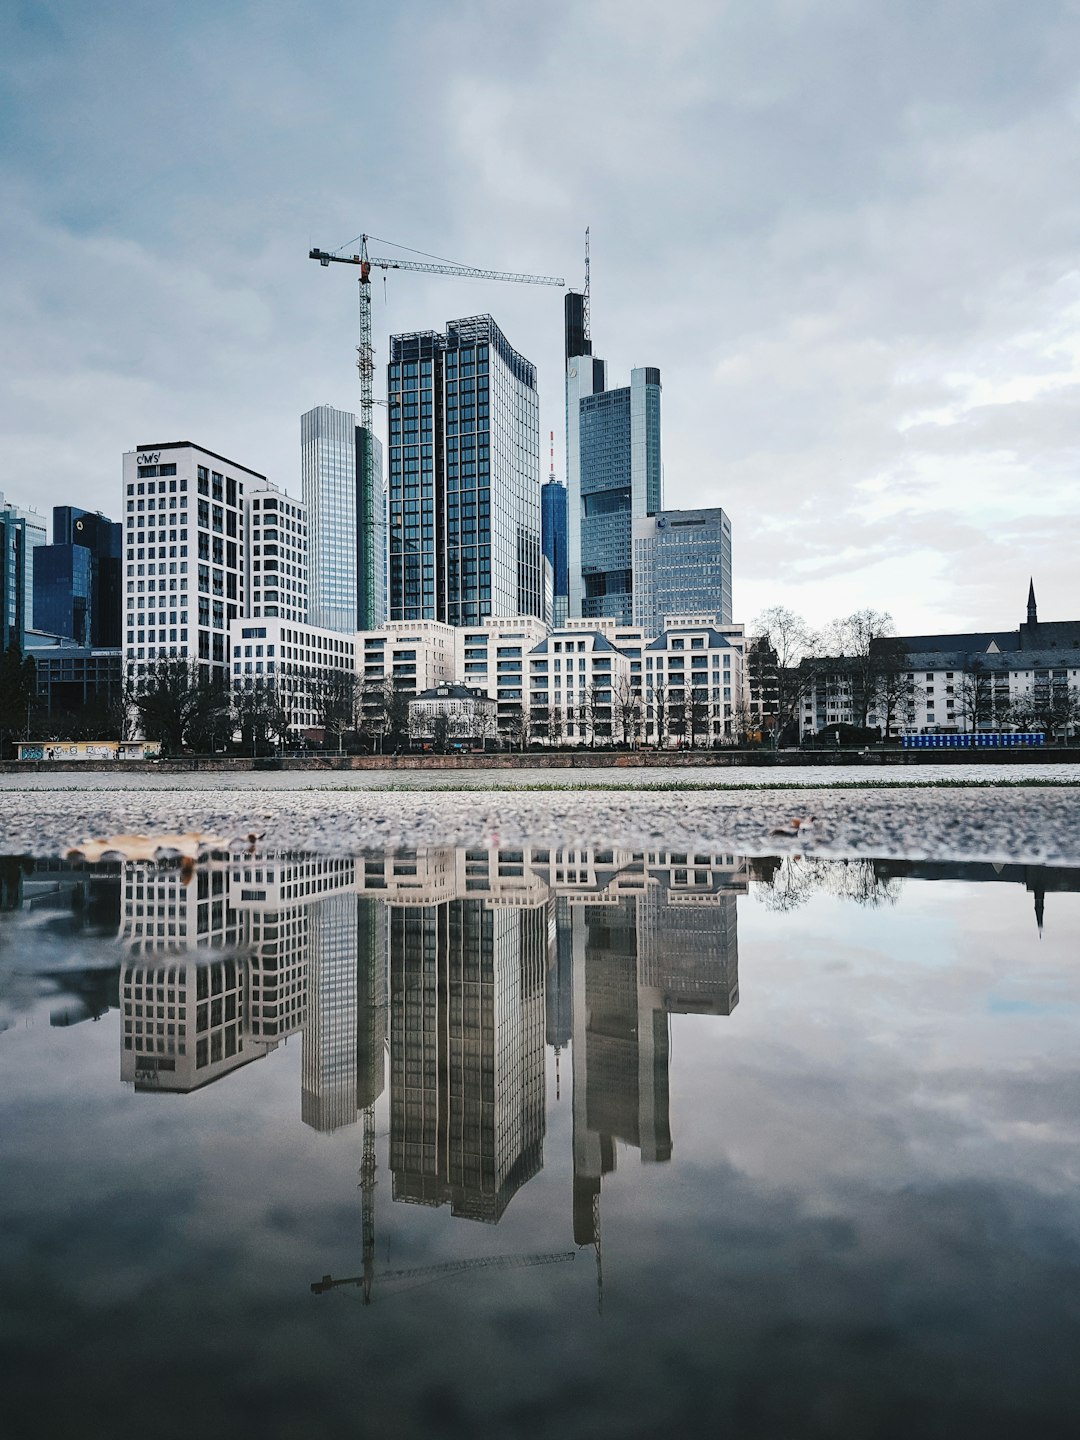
(991,740)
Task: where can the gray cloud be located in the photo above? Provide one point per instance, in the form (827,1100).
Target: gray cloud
(846,232)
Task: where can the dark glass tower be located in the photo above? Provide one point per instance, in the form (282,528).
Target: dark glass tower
(77,579)
(464,476)
(553,533)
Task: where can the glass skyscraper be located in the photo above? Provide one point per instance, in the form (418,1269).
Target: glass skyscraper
(77,578)
(346,524)
(613,473)
(553,533)
(682,566)
(21,532)
(464,477)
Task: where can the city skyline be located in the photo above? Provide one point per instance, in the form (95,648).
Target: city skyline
(866,345)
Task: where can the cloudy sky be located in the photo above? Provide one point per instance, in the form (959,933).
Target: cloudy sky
(845,230)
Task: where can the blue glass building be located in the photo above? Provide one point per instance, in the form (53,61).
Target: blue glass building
(613,473)
(463,476)
(21,532)
(77,579)
(553,538)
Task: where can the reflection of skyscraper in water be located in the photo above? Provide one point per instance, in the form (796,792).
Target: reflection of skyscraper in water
(466,1053)
(184,1014)
(659,937)
(687,929)
(219,971)
(371,1002)
(330,1035)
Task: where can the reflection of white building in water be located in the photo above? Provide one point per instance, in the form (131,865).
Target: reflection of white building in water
(468,959)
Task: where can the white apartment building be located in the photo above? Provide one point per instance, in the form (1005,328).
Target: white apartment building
(183,553)
(579,685)
(943,692)
(275,554)
(293,659)
(414,655)
(490,656)
(693,682)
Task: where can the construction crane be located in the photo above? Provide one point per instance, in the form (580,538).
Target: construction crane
(365,363)
(436,1272)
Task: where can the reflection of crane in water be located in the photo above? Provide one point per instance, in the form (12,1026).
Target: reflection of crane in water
(437,1272)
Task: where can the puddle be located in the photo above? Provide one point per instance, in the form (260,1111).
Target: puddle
(539,1141)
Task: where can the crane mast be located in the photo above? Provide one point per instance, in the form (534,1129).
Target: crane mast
(365,364)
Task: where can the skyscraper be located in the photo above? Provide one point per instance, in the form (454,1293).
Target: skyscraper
(346,521)
(464,476)
(21,531)
(553,537)
(613,472)
(77,581)
(682,566)
(183,544)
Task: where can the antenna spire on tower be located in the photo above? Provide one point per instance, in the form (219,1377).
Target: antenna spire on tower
(585,307)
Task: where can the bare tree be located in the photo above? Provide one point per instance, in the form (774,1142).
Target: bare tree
(335,698)
(697,712)
(975,694)
(786,653)
(556,724)
(627,707)
(858,640)
(261,717)
(659,701)
(892,693)
(1050,708)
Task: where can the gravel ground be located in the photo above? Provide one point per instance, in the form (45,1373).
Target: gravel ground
(721,777)
(996,823)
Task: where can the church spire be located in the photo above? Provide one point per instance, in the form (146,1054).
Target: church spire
(1032,612)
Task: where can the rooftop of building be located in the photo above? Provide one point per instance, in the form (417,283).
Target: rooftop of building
(191,445)
(452,692)
(471,330)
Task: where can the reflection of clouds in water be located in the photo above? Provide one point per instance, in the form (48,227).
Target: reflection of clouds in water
(869,1206)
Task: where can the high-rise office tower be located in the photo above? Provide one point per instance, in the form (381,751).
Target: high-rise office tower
(21,531)
(613,472)
(464,476)
(183,554)
(77,579)
(346,521)
(682,566)
(553,536)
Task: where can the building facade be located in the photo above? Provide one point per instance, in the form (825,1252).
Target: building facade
(346,514)
(297,662)
(459,712)
(492,656)
(682,563)
(21,532)
(694,682)
(275,554)
(463,477)
(183,555)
